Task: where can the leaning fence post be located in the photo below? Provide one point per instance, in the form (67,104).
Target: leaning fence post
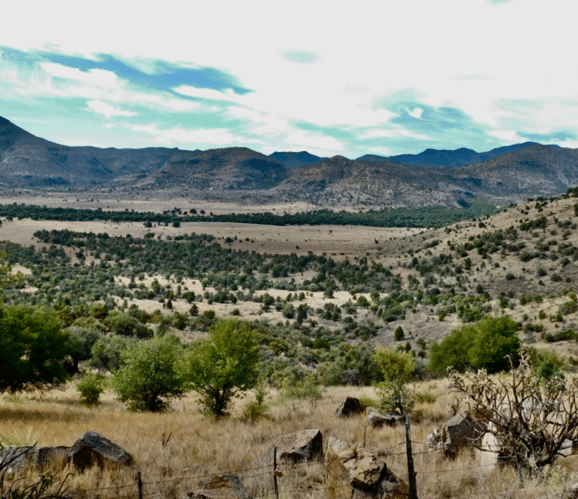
(138,479)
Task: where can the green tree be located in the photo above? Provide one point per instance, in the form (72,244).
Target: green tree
(221,366)
(106,352)
(81,341)
(485,344)
(397,368)
(33,347)
(147,378)
(126,325)
(90,387)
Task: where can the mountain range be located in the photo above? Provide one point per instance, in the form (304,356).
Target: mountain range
(434,177)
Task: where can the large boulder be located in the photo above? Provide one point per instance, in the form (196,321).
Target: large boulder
(92,448)
(359,474)
(376,419)
(351,406)
(461,431)
(225,486)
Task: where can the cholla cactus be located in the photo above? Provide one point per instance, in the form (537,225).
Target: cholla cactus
(534,419)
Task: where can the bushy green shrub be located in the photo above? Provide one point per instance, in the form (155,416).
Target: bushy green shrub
(485,344)
(90,387)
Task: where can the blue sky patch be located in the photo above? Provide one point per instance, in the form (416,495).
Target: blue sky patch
(163,77)
(300,56)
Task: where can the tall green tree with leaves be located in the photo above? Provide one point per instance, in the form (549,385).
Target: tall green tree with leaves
(148,378)
(33,347)
(397,368)
(223,365)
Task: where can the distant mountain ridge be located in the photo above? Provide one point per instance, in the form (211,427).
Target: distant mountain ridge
(444,157)
(238,174)
(296,159)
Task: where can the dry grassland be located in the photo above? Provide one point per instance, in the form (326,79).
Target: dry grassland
(175,451)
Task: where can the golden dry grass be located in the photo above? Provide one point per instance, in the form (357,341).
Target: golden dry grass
(176,450)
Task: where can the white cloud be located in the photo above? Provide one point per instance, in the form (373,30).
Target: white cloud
(107,110)
(323,145)
(99,77)
(416,112)
(507,136)
(199,136)
(375,133)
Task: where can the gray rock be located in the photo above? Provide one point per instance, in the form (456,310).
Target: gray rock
(460,432)
(305,445)
(225,486)
(376,419)
(359,474)
(351,406)
(337,445)
(92,448)
(16,460)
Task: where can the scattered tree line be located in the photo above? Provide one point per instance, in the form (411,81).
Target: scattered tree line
(425,217)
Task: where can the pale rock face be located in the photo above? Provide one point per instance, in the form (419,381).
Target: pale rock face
(359,474)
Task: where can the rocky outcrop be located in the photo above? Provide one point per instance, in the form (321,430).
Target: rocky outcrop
(90,449)
(351,406)
(225,486)
(461,432)
(376,419)
(359,474)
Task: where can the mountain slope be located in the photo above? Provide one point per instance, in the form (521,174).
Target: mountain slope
(32,161)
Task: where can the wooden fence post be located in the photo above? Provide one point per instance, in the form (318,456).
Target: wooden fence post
(139,484)
(275,472)
(410,469)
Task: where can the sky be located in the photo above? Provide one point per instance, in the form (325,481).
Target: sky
(331,77)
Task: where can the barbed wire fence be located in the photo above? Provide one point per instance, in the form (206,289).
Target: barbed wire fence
(139,487)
